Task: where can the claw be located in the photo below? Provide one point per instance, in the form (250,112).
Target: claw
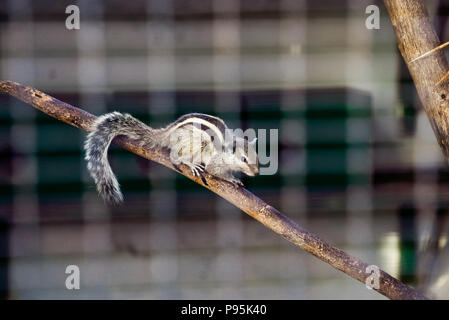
(176,167)
(204,180)
(196,169)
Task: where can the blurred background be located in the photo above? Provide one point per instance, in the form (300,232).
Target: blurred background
(358,162)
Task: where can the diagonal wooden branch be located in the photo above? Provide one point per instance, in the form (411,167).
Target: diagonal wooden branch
(240,197)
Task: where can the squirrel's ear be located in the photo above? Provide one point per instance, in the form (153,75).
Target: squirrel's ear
(253,141)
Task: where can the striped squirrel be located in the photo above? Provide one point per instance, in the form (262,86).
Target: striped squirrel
(200,141)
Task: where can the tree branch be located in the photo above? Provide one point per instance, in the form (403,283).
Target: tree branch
(416,37)
(240,197)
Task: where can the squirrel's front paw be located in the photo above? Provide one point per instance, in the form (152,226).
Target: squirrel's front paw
(236,182)
(196,169)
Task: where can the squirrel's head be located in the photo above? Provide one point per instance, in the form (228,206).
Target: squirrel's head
(246,156)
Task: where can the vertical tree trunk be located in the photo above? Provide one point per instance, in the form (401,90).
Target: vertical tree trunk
(416,35)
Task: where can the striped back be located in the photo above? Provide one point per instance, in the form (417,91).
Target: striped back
(213,125)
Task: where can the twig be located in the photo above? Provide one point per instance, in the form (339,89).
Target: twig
(442,79)
(428,53)
(240,197)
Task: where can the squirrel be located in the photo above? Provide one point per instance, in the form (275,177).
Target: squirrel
(200,141)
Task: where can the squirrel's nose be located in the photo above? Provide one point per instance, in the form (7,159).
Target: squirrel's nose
(255,169)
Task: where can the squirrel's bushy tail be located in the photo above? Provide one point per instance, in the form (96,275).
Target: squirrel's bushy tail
(106,128)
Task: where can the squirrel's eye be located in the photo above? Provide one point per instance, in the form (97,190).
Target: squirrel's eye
(243,159)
